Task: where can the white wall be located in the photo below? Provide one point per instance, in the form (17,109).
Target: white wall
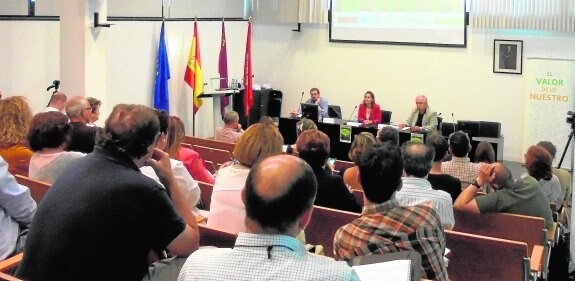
(458,81)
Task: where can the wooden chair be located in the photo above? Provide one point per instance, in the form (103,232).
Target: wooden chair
(339,164)
(210,167)
(216,156)
(530,230)
(476,257)
(210,143)
(358,194)
(323,225)
(206,194)
(37,188)
(210,236)
(8,264)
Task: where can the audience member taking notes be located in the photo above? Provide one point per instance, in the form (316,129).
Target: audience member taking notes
(369,112)
(422,117)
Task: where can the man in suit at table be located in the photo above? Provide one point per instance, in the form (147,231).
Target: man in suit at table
(422,117)
(315,98)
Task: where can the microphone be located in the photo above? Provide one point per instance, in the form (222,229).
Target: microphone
(453,120)
(352,112)
(300,99)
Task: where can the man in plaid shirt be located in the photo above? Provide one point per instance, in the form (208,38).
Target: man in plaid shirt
(386,227)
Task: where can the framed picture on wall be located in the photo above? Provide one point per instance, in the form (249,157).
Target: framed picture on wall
(508,56)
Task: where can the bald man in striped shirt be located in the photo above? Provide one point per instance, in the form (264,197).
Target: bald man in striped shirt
(416,189)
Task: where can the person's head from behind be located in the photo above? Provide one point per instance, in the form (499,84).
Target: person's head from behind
(78,109)
(361,142)
(267,120)
(380,171)
(58,101)
(279,195)
(95,105)
(549,146)
(304,124)
(314,94)
(176,134)
(484,153)
(231,119)
(48,130)
(15,117)
(258,142)
(368,98)
(313,147)
(538,162)
(421,103)
(417,159)
(439,145)
(164,118)
(389,135)
(501,176)
(459,144)
(131,130)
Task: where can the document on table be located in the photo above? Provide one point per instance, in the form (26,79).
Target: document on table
(396,270)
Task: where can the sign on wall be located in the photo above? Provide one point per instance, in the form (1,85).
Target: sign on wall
(550,87)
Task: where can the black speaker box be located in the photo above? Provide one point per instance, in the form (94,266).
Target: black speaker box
(489,129)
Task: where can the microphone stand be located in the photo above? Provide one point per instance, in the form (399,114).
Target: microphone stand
(353,111)
(567,146)
(300,99)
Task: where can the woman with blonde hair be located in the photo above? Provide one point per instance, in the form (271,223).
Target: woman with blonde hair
(15,117)
(227,211)
(191,159)
(362,142)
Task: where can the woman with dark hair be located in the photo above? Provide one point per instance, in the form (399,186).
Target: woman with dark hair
(484,153)
(369,112)
(191,159)
(48,136)
(538,163)
(15,116)
(313,147)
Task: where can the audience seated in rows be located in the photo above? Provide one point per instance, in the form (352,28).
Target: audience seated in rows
(104,209)
(279,194)
(484,153)
(17,208)
(563,175)
(181,174)
(15,117)
(189,157)
(232,129)
(460,166)
(361,142)
(82,137)
(48,135)
(538,162)
(436,177)
(523,196)
(302,125)
(57,103)
(388,134)
(227,211)
(386,227)
(313,147)
(416,190)
(95,110)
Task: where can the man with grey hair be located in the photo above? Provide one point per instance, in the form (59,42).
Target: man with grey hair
(57,102)
(232,129)
(416,189)
(422,117)
(82,136)
(278,195)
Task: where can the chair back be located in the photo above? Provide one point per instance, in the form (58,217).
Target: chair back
(210,236)
(385,117)
(439,123)
(323,225)
(37,188)
(210,143)
(206,194)
(8,264)
(339,164)
(215,155)
(476,257)
(334,111)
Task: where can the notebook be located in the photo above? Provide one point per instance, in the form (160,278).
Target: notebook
(396,270)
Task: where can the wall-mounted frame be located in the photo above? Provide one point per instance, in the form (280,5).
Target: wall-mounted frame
(508,56)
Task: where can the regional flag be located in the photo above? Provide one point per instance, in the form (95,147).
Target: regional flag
(248,90)
(223,70)
(161,93)
(193,76)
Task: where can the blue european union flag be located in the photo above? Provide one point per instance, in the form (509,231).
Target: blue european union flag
(161,93)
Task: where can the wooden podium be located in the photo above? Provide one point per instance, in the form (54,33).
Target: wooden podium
(216,95)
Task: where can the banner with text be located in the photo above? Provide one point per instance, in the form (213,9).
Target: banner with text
(550,87)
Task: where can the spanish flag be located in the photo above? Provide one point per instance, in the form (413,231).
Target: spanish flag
(193,76)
